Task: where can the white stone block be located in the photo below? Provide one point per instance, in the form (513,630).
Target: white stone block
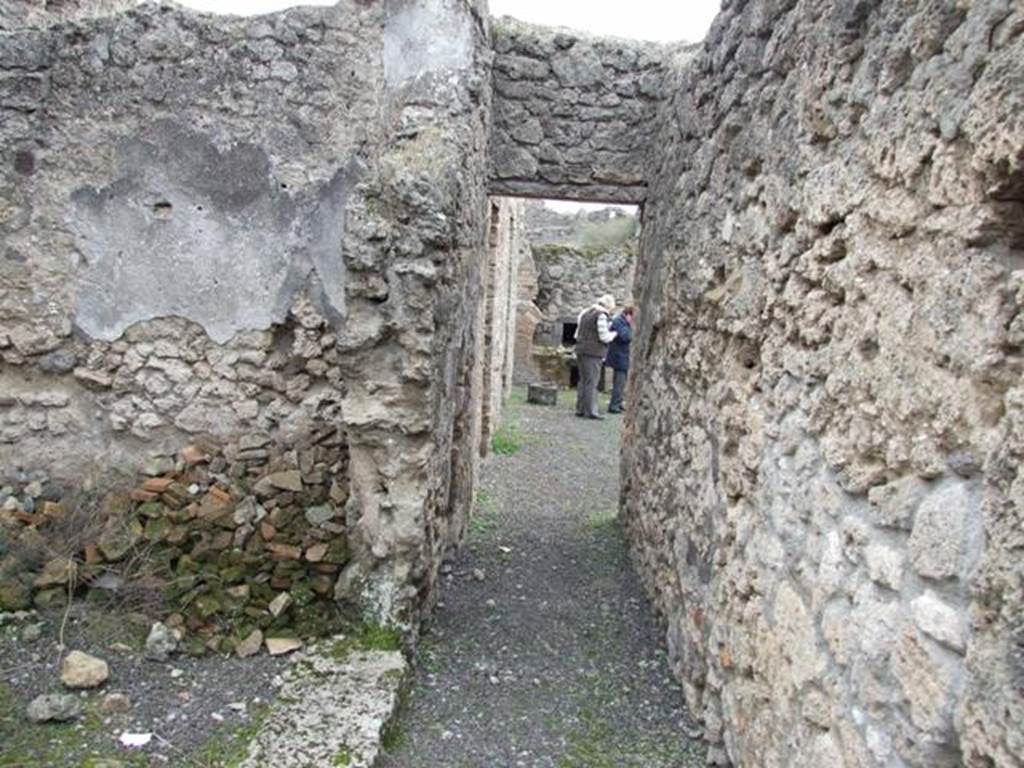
(938,538)
(885,565)
(940,621)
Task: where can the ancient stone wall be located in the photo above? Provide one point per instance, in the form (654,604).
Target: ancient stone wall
(822,476)
(245,231)
(24,13)
(579,257)
(573,115)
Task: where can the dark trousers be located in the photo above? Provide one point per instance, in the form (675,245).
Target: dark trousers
(586,389)
(618,391)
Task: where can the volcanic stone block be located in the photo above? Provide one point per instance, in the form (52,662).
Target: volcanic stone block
(542,394)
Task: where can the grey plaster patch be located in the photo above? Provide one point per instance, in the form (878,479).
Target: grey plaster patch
(327,231)
(426,36)
(190,230)
(335,707)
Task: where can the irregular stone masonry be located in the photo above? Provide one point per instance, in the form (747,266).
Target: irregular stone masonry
(20,13)
(527,317)
(245,537)
(821,477)
(570,278)
(579,257)
(215,228)
(574,258)
(573,115)
(506,247)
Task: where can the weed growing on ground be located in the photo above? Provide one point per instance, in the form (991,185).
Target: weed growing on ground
(600,519)
(482,520)
(374,637)
(229,747)
(517,397)
(393,738)
(29,744)
(594,743)
(507,440)
(367,637)
(429,662)
(484,501)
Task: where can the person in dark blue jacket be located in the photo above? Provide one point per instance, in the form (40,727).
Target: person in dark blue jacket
(618,357)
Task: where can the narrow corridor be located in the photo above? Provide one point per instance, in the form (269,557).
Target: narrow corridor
(545,652)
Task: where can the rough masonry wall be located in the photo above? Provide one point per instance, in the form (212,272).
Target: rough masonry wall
(579,257)
(573,116)
(571,278)
(25,13)
(528,316)
(228,228)
(822,471)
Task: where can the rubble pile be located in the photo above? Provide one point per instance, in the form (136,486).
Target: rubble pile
(234,540)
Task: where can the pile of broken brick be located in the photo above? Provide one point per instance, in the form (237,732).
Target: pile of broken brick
(239,542)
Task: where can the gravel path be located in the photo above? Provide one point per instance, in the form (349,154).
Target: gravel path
(545,651)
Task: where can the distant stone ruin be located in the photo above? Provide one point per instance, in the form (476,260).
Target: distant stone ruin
(257,257)
(572,259)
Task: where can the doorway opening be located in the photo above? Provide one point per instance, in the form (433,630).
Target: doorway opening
(569,334)
(568,254)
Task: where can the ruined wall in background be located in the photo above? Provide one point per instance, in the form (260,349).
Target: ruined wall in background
(822,472)
(243,230)
(573,115)
(578,257)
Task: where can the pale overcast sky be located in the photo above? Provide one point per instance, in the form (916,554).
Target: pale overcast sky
(642,19)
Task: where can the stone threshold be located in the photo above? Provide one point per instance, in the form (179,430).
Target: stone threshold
(333,708)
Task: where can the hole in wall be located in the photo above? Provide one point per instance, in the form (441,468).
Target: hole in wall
(868,349)
(162,209)
(24,162)
(569,334)
(836,251)
(828,227)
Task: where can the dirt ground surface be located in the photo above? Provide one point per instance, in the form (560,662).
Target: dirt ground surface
(545,652)
(199,711)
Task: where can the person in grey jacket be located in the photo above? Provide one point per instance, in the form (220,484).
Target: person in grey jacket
(618,358)
(593,335)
